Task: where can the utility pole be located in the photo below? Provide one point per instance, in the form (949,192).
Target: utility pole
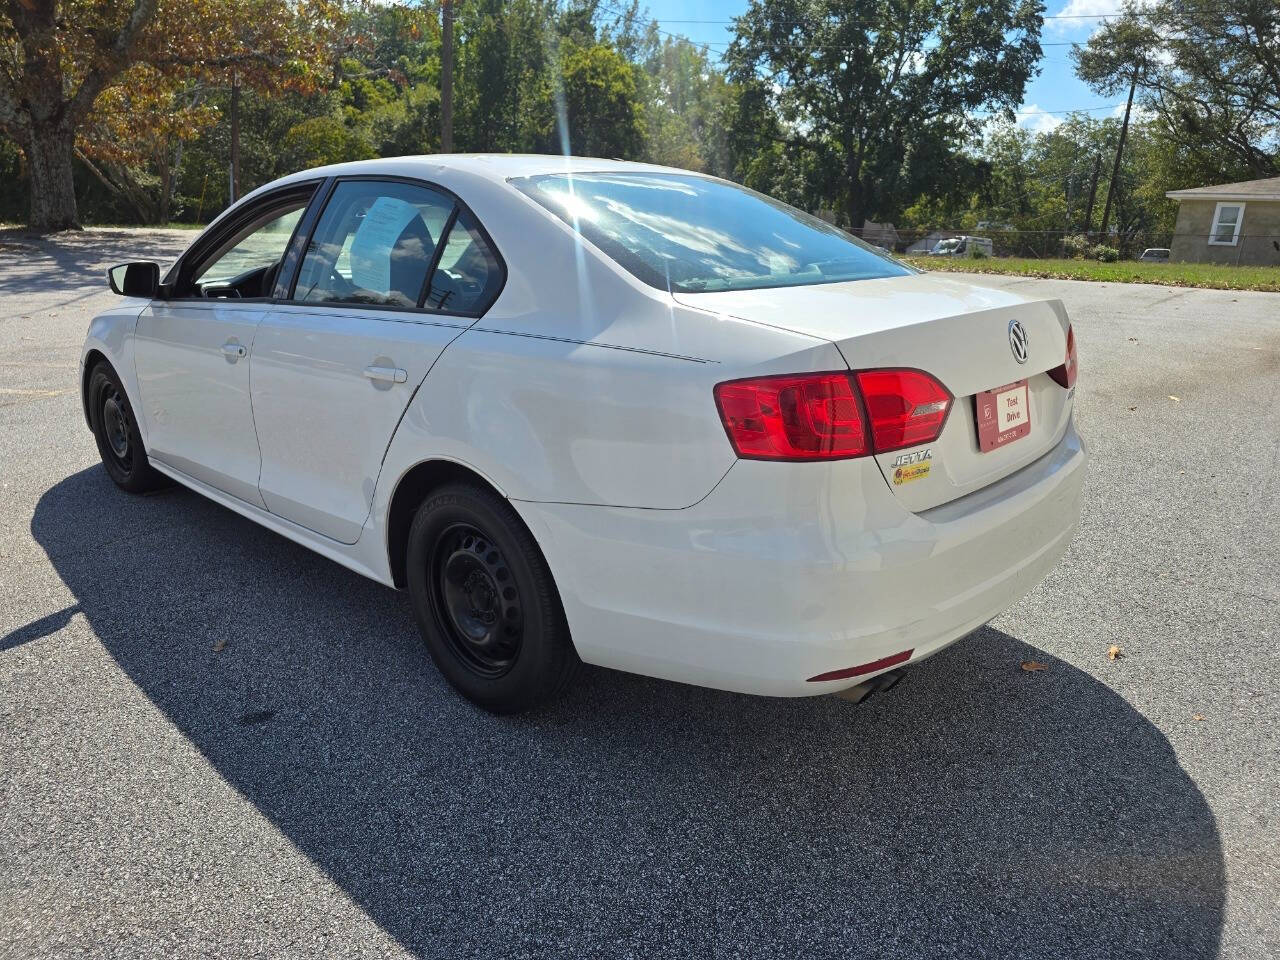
(1115,169)
(1066,196)
(235,138)
(446,76)
(1093,193)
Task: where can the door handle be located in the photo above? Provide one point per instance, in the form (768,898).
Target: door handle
(234,351)
(386,374)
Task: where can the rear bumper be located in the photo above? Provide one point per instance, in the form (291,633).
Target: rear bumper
(789,571)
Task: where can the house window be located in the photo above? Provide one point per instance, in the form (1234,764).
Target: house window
(1226,224)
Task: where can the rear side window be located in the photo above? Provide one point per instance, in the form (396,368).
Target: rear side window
(690,234)
(373,245)
(469,276)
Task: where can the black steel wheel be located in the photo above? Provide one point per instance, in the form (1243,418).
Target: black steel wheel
(116,431)
(485,601)
(475,600)
(116,426)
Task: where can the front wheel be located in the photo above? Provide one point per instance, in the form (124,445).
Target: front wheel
(115,428)
(485,601)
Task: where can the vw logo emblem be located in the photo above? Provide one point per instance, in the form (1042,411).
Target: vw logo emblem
(1018,340)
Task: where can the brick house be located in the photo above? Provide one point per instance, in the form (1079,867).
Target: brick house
(1228,223)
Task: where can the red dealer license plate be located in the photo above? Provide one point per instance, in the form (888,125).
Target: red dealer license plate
(1003,415)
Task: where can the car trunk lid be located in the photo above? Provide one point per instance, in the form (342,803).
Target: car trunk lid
(956,331)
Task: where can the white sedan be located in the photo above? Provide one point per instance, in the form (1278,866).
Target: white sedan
(596,411)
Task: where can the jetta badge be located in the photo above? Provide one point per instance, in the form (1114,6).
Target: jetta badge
(1018,340)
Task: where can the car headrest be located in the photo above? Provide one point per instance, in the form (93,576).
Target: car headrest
(409,259)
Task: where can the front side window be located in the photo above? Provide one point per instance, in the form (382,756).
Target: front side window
(373,244)
(248,264)
(1226,223)
(690,234)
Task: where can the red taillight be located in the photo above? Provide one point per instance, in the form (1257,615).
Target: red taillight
(831,416)
(1065,375)
(906,407)
(813,416)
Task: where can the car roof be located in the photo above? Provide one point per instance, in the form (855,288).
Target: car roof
(455,171)
(490,166)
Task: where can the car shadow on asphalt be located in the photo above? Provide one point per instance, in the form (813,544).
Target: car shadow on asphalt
(974,810)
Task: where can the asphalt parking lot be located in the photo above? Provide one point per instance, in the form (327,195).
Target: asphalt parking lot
(213,742)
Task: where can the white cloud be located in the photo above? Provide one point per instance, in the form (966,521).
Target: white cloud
(1088,15)
(1037,120)
(1139,114)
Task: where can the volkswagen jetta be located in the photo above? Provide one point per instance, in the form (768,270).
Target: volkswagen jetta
(585,410)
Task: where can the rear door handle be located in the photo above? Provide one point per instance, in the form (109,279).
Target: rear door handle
(234,350)
(386,374)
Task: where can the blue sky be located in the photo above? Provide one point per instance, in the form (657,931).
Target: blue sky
(1054,91)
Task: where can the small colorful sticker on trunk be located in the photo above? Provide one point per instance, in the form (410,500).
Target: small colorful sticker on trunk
(906,474)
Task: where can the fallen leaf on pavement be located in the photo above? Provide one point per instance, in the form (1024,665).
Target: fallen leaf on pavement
(220,644)
(1174,399)
(1033,666)
(1113,653)
(1197,716)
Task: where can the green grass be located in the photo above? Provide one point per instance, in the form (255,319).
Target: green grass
(1214,276)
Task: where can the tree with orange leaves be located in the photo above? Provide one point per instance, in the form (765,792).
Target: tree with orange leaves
(101,76)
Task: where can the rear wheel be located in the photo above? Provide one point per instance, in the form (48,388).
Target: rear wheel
(485,601)
(116,430)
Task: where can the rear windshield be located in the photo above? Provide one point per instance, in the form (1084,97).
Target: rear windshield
(689,234)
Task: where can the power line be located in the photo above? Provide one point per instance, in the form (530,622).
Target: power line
(1057,16)
(705,45)
(1037,113)
(826,46)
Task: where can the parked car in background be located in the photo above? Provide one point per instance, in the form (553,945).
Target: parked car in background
(1155,255)
(963,247)
(602,411)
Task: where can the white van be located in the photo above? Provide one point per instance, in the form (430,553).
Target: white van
(963,247)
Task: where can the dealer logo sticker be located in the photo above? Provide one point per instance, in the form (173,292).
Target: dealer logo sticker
(903,475)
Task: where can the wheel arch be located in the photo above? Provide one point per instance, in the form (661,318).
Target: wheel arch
(413,487)
(91,360)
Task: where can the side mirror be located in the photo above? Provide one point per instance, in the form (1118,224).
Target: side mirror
(138,279)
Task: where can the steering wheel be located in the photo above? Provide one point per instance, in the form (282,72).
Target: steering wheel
(231,287)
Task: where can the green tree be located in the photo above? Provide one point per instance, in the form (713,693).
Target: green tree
(598,113)
(1039,184)
(686,103)
(869,87)
(318,141)
(503,79)
(1208,72)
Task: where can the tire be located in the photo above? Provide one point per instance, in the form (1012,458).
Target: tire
(485,601)
(116,430)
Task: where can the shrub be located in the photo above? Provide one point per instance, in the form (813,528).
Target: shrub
(1076,247)
(978,253)
(1105,254)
